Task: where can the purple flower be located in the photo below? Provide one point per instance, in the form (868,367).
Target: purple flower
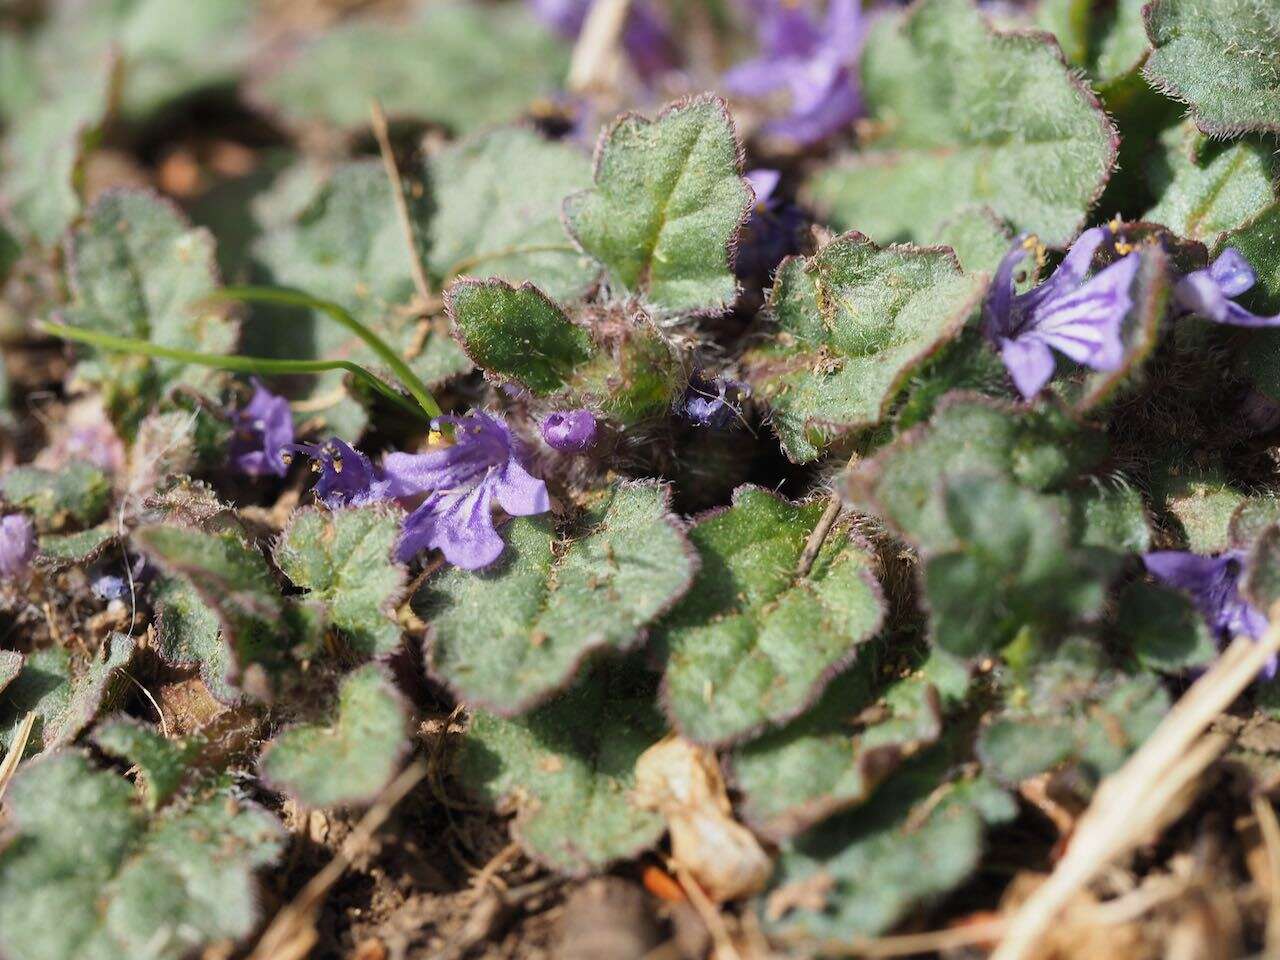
(1209,292)
(262,434)
(569,431)
(347,477)
(461,480)
(772,232)
(711,402)
(645,37)
(1076,316)
(1214,585)
(17,545)
(816,62)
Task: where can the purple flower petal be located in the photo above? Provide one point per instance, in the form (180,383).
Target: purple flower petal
(712,401)
(1214,585)
(262,433)
(569,431)
(17,545)
(1208,292)
(347,477)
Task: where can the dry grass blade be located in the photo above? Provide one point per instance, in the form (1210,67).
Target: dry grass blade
(596,55)
(1269,827)
(379,124)
(292,933)
(16,749)
(1147,792)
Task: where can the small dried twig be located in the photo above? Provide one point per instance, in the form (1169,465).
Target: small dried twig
(711,916)
(1269,827)
(819,535)
(596,54)
(9,766)
(292,933)
(420,280)
(1147,792)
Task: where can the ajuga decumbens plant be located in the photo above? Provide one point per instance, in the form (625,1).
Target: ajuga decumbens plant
(859,416)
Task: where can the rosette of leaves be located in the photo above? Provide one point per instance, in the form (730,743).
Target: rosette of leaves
(849,325)
(668,203)
(858,874)
(137,269)
(497,199)
(342,242)
(64,693)
(1221,58)
(568,770)
(353,755)
(455,64)
(1066,706)
(617,361)
(511,637)
(87,875)
(754,643)
(968,116)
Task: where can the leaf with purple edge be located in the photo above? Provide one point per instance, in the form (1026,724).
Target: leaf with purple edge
(568,768)
(753,645)
(850,325)
(965,115)
(164,763)
(349,759)
(511,637)
(668,203)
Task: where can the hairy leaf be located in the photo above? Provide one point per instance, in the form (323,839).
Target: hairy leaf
(667,205)
(345,561)
(1164,629)
(87,877)
(497,211)
(138,269)
(968,117)
(852,323)
(753,644)
(509,638)
(569,768)
(164,763)
(65,696)
(78,495)
(456,64)
(353,757)
(1221,58)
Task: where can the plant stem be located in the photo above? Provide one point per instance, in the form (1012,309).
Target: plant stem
(297,298)
(236,364)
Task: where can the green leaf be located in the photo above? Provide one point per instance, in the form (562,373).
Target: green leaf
(137,269)
(1219,57)
(1069,707)
(968,117)
(10,666)
(232,580)
(1258,240)
(64,696)
(78,495)
(852,324)
(86,877)
(457,64)
(1164,629)
(1041,450)
(667,205)
(164,763)
(979,238)
(344,244)
(345,560)
(351,758)
(497,213)
(1207,188)
(1114,517)
(1251,519)
(753,645)
(1106,39)
(1200,503)
(870,867)
(835,755)
(518,333)
(74,548)
(509,638)
(188,633)
(569,769)
(45,144)
(1261,584)
(1011,563)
